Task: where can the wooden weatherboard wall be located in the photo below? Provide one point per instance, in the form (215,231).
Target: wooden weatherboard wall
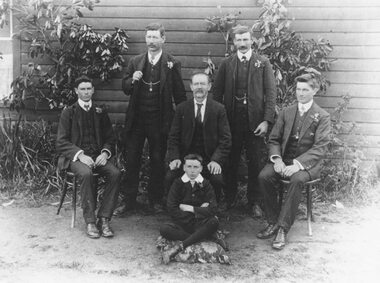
(352,27)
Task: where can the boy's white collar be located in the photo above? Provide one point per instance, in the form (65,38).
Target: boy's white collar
(198,179)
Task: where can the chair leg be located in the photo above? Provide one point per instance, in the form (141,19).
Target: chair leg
(309,208)
(74,203)
(64,191)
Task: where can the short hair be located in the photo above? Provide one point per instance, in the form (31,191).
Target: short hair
(82,79)
(156,26)
(199,72)
(239,29)
(193,156)
(309,78)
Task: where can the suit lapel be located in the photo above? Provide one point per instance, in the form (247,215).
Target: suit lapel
(289,118)
(308,120)
(233,67)
(97,124)
(207,111)
(77,116)
(141,63)
(164,69)
(252,72)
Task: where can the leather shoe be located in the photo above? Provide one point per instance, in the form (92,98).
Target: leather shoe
(169,254)
(268,232)
(279,241)
(123,208)
(92,231)
(104,228)
(257,211)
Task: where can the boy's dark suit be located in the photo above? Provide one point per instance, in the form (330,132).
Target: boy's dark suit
(259,106)
(69,140)
(153,126)
(309,148)
(216,137)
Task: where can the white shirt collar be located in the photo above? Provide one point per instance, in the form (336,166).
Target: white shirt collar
(158,56)
(83,103)
(247,55)
(198,179)
(306,105)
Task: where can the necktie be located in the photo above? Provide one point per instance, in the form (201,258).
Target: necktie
(244,59)
(86,107)
(302,110)
(151,60)
(199,115)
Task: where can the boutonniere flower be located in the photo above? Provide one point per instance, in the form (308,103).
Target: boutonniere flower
(315,117)
(98,110)
(258,63)
(170,64)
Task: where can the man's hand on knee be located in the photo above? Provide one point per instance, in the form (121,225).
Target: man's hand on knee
(290,170)
(86,160)
(101,160)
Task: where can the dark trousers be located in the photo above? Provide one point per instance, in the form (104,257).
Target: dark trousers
(191,233)
(145,128)
(216,180)
(255,148)
(286,215)
(88,191)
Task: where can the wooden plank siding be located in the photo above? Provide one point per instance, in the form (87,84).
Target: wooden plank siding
(352,27)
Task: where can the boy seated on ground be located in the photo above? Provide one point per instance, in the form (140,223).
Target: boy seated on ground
(191,204)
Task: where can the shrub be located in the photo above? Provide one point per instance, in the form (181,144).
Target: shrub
(73,48)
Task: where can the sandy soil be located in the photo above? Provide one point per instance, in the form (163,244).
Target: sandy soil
(36,245)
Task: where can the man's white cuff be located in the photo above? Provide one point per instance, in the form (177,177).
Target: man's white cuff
(272,157)
(295,161)
(106,151)
(76,155)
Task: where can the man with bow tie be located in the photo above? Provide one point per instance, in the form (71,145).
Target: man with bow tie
(246,86)
(85,142)
(199,126)
(297,144)
(153,80)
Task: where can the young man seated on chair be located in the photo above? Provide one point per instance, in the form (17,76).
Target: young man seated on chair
(85,142)
(192,205)
(297,144)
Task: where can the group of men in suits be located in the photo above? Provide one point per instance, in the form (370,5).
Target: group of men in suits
(217,129)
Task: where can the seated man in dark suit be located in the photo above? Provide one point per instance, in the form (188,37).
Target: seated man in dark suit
(192,205)
(199,126)
(85,142)
(297,144)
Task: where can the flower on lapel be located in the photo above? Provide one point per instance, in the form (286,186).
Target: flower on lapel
(98,110)
(170,65)
(315,117)
(258,63)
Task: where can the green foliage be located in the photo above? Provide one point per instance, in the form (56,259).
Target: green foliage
(289,53)
(73,49)
(4,10)
(343,176)
(224,25)
(27,153)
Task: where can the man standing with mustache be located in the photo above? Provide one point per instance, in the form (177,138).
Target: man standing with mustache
(245,84)
(152,80)
(199,126)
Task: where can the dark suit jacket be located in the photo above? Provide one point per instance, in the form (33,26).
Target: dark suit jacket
(313,141)
(171,86)
(70,131)
(216,132)
(261,89)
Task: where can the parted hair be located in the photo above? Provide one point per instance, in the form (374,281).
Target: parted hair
(240,29)
(193,156)
(199,72)
(82,79)
(310,78)
(156,26)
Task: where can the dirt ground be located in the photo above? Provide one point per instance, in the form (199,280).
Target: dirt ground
(36,245)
